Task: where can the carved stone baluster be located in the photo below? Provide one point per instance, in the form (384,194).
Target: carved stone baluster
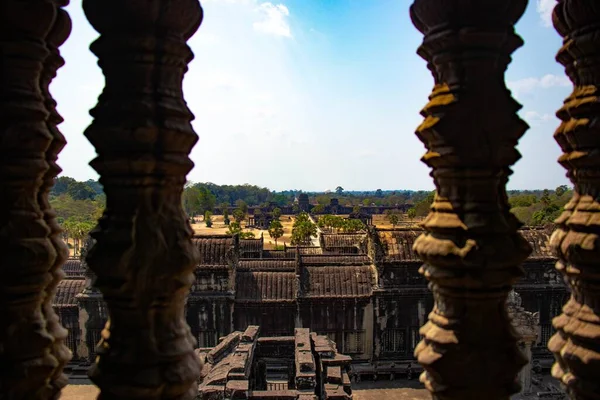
(57,36)
(471,248)
(143,256)
(27,252)
(576,345)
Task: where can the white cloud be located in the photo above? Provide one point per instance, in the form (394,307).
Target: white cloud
(274,19)
(534,118)
(544,8)
(528,85)
(268,18)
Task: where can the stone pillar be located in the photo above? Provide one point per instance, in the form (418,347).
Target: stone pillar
(56,37)
(526,325)
(576,345)
(471,248)
(143,256)
(31,357)
(92,310)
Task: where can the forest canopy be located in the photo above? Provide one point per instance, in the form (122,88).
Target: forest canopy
(82,203)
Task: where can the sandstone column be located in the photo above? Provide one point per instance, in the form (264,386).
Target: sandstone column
(471,248)
(143,256)
(57,36)
(576,345)
(31,357)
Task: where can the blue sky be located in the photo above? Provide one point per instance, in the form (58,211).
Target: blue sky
(312,94)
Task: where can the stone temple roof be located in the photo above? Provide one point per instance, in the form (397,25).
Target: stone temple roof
(215,249)
(341,240)
(66,292)
(340,281)
(337,259)
(73,268)
(252,286)
(397,244)
(267,264)
(250,246)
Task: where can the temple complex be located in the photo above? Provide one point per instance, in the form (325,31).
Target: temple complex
(370,302)
(363,291)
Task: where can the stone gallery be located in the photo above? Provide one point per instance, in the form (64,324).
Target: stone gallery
(363,291)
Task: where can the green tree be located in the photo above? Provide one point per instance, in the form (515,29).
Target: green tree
(241,204)
(545,199)
(332,222)
(562,189)
(423,206)
(522,200)
(239,215)
(236,229)
(277,213)
(224,209)
(208,218)
(379,193)
(393,217)
(339,190)
(303,230)
(80,191)
(411,213)
(280,199)
(82,210)
(61,184)
(206,200)
(547,215)
(191,200)
(275,230)
(318,209)
(353,225)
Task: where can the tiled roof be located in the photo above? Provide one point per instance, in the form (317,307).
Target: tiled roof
(214,250)
(268,264)
(398,243)
(73,268)
(341,259)
(276,254)
(291,251)
(250,246)
(66,291)
(341,281)
(338,240)
(266,286)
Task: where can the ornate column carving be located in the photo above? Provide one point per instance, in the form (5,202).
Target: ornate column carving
(576,345)
(471,248)
(28,357)
(57,36)
(143,256)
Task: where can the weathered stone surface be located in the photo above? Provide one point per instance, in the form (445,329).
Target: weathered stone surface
(56,37)
(32,351)
(143,256)
(576,345)
(250,334)
(471,248)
